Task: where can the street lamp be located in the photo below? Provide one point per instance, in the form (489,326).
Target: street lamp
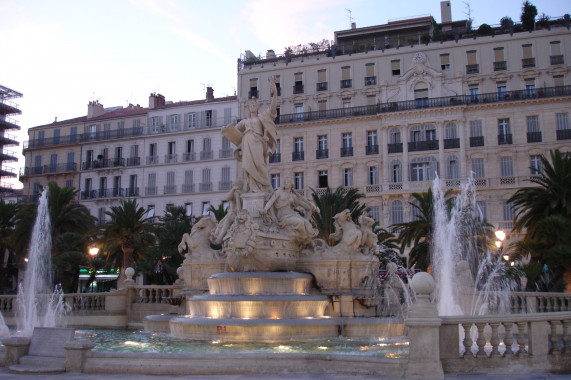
(501,235)
(93,251)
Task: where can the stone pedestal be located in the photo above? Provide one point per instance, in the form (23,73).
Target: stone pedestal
(423,326)
(76,352)
(253,202)
(16,347)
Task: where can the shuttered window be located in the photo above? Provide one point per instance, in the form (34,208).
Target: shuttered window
(346,72)
(471,55)
(527,51)
(370,69)
(499,54)
(321,74)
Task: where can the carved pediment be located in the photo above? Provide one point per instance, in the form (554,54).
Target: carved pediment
(529,73)
(420,72)
(500,77)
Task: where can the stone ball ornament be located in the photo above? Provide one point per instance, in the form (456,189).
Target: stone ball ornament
(422,283)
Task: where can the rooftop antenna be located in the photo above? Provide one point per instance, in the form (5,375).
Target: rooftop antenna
(350,17)
(204,85)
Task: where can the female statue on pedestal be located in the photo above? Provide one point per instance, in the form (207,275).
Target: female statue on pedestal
(255,138)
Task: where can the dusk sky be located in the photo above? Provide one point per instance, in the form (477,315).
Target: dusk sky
(61,54)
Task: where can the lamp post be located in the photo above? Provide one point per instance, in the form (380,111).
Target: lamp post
(93,251)
(501,236)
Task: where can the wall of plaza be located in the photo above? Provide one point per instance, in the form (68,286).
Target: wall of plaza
(385,121)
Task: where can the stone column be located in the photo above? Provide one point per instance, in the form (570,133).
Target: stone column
(16,347)
(423,326)
(75,354)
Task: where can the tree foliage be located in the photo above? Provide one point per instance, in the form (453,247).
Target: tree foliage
(528,13)
(127,235)
(332,202)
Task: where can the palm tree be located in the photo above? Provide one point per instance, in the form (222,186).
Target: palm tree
(163,260)
(128,234)
(551,197)
(218,212)
(7,213)
(418,233)
(330,204)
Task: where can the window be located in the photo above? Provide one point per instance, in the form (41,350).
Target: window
(253,88)
(151,184)
(172,122)
(396,171)
(474,92)
(322,106)
(70,161)
(206,208)
(322,179)
(530,87)
(56,136)
(321,143)
(421,94)
(275,179)
(151,211)
(472,66)
(508,211)
(395,136)
(188,209)
(372,175)
(371,102)
(346,77)
(348,177)
(298,83)
(298,144)
(504,132)
(153,149)
(452,167)
(321,80)
(226,183)
(69,183)
(117,186)
(562,120)
(41,135)
(396,212)
(298,109)
(481,206)
(558,81)
(73,134)
(191,120)
(372,138)
(506,166)
(478,167)
(375,213)
(346,144)
(107,130)
(170,188)
(476,128)
(53,163)
(206,185)
(532,123)
(133,190)
(189,146)
(298,181)
(171,151)
(346,106)
(527,60)
(395,67)
(556,56)
(535,165)
(370,78)
(155,123)
(445,61)
(499,61)
(501,89)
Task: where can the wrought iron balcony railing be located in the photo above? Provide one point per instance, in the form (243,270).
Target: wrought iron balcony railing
(189,156)
(133,161)
(275,158)
(500,65)
(321,153)
(505,139)
(476,141)
(451,143)
(206,155)
(395,147)
(557,59)
(563,134)
(372,149)
(321,86)
(346,83)
(297,156)
(188,187)
(527,62)
(533,137)
(472,69)
(370,81)
(417,146)
(347,151)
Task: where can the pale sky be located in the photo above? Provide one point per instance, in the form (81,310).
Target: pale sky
(61,54)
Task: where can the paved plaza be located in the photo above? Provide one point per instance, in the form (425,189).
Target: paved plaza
(5,375)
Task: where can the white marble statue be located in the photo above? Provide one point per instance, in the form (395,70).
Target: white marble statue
(291,211)
(255,138)
(235,205)
(369,238)
(198,242)
(346,232)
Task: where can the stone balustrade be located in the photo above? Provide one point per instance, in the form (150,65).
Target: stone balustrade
(156,294)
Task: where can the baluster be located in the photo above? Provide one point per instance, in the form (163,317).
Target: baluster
(508,338)
(554,338)
(566,335)
(481,341)
(467,339)
(540,308)
(521,338)
(495,340)
(557,303)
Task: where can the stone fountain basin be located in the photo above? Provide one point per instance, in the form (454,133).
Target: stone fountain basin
(258,306)
(260,283)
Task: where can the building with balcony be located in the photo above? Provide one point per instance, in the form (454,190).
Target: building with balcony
(8,109)
(386,109)
(171,153)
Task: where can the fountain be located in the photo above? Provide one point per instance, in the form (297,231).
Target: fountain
(4,331)
(273,280)
(469,278)
(38,304)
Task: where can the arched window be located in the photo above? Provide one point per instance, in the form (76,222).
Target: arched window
(421,94)
(452,167)
(451,131)
(396,212)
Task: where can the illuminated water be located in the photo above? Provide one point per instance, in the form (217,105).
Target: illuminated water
(143,341)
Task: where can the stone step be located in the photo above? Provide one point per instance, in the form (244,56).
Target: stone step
(42,361)
(35,370)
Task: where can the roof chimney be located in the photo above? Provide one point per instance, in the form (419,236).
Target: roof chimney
(94,109)
(209,94)
(353,25)
(445,12)
(156,100)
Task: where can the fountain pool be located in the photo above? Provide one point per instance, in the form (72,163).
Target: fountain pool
(156,342)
